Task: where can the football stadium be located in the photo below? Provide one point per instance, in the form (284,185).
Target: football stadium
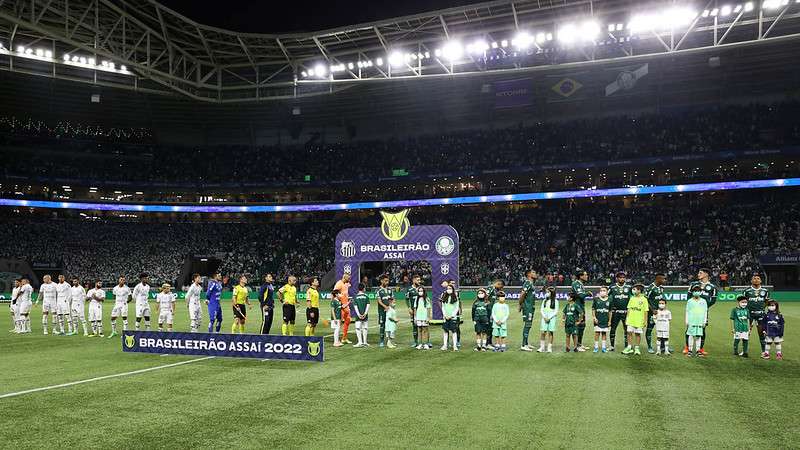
(360,225)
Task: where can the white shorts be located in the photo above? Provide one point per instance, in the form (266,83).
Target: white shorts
(336,323)
(76,310)
(362,324)
(194,312)
(14,308)
(49,306)
(663,334)
(741,335)
(119,310)
(23,308)
(95,312)
(421,323)
(165,317)
(142,310)
(63,308)
(599,329)
(635,330)
(773,339)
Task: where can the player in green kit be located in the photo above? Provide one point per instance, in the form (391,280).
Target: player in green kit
(527,299)
(384,296)
(411,296)
(654,293)
(740,326)
(336,318)
(619,293)
(757,297)
(577,288)
(708,292)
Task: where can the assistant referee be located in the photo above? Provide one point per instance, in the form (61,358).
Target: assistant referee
(312,307)
(288,296)
(240,303)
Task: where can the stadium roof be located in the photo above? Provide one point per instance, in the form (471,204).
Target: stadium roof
(143,45)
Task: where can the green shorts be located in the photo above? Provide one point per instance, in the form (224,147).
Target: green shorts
(570,329)
(500,331)
(527,315)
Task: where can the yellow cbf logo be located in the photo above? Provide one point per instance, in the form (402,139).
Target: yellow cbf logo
(313,348)
(395,225)
(129,341)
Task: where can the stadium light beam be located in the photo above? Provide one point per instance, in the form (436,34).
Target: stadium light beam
(452,50)
(503,198)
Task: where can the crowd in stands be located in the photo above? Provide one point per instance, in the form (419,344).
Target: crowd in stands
(675,235)
(683,132)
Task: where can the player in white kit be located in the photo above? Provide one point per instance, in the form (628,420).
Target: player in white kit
(96,297)
(47,292)
(122,296)
(193,301)
(62,305)
(140,294)
(24,305)
(165,302)
(14,307)
(77,295)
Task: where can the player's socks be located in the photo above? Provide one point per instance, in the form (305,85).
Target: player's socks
(745,345)
(84,327)
(100,328)
(124,324)
(147,324)
(233,328)
(364,333)
(113,325)
(763,343)
(736,346)
(284,329)
(44,323)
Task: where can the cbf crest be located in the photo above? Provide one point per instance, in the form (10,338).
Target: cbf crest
(313,348)
(395,225)
(129,341)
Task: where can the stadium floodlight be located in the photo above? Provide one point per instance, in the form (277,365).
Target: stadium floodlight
(350,65)
(76,59)
(91,61)
(110,65)
(705,13)
(714,12)
(304,74)
(610,27)
(48,54)
(396,59)
(590,30)
(748,6)
(319,70)
(737,9)
(83,61)
(568,33)
(452,50)
(540,38)
(504,43)
(494,44)
(479,46)
(379,61)
(66,57)
(29,51)
(522,40)
(21,49)
(725,10)
(39,52)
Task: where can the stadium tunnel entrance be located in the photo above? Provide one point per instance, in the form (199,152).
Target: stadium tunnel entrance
(438,245)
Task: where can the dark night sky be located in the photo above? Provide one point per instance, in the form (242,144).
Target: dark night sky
(272,16)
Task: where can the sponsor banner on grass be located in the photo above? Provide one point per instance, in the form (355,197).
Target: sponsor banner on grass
(298,348)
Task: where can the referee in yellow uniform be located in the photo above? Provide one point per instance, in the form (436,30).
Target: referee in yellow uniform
(312,306)
(288,296)
(240,304)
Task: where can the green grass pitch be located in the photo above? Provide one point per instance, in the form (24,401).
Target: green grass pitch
(400,398)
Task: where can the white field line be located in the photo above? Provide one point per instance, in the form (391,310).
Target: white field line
(104,377)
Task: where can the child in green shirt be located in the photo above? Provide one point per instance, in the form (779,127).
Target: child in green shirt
(391,323)
(500,321)
(638,308)
(573,316)
(336,318)
(696,318)
(422,314)
(480,315)
(740,326)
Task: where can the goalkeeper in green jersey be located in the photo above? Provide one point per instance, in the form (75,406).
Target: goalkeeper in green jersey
(581,294)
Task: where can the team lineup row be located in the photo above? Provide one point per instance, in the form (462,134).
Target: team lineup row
(639,309)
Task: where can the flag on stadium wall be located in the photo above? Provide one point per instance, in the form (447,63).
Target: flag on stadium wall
(513,93)
(566,87)
(626,80)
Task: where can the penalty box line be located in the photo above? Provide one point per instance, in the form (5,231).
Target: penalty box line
(104,377)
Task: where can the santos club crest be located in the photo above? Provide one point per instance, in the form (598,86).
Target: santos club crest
(348,249)
(395,225)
